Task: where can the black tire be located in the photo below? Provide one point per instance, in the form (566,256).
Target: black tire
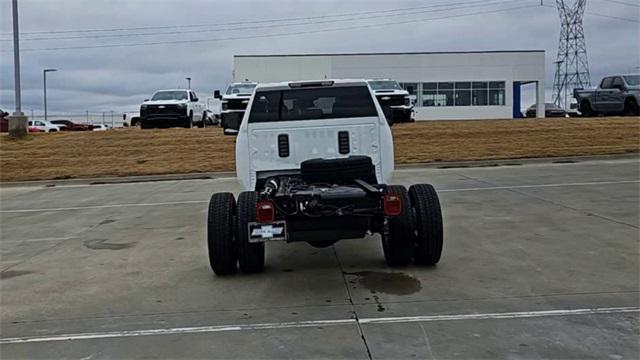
(189,122)
(250,255)
(203,122)
(630,108)
(397,244)
(221,234)
(145,124)
(585,109)
(429,233)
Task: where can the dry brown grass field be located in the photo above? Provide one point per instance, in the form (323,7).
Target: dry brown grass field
(133,151)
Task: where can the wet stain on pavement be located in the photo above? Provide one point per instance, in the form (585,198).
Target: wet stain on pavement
(14,273)
(395,283)
(105,222)
(381,308)
(103,244)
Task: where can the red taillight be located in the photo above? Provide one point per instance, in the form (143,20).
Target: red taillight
(265,212)
(392,205)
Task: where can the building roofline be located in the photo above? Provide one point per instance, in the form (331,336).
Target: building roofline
(393,53)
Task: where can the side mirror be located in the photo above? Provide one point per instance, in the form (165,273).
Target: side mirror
(216,94)
(195,99)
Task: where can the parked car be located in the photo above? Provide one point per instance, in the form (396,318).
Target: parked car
(177,107)
(71,126)
(44,125)
(616,95)
(394,100)
(313,159)
(4,121)
(233,105)
(100,127)
(550,110)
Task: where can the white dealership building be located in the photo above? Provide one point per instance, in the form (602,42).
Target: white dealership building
(444,85)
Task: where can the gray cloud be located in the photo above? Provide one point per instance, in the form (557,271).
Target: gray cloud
(119,78)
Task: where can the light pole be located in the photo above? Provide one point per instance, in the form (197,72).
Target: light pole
(17,122)
(16,58)
(44,76)
(189,82)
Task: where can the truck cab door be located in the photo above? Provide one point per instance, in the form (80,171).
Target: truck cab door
(604,95)
(196,106)
(617,95)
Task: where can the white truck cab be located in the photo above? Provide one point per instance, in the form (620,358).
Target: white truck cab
(173,107)
(234,102)
(314,159)
(315,119)
(395,101)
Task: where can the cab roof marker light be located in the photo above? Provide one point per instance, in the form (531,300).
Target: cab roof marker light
(311,84)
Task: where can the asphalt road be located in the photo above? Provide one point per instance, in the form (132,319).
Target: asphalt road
(540,261)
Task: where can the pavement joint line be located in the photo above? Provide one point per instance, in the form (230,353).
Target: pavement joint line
(540,198)
(588,213)
(396,302)
(317,323)
(353,308)
(489,188)
(510,187)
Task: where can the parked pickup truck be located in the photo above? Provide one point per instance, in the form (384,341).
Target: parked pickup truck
(234,103)
(177,107)
(619,94)
(394,100)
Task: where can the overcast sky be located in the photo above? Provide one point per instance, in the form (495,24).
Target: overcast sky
(119,78)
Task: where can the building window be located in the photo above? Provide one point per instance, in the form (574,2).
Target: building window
(429,94)
(480,93)
(463,93)
(437,94)
(412,88)
(496,93)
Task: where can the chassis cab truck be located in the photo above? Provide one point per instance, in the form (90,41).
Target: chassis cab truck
(314,159)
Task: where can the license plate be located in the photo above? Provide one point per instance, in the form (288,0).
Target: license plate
(267,232)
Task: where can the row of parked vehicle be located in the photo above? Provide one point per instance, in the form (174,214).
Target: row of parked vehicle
(51,126)
(63,125)
(182,107)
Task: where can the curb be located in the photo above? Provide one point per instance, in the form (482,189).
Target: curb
(232,174)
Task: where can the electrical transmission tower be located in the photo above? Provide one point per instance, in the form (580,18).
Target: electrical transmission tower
(572,67)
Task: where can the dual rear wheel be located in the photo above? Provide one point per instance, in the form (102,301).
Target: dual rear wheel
(417,233)
(414,235)
(228,234)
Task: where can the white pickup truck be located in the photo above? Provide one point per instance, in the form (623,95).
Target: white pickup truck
(394,100)
(314,159)
(234,103)
(174,107)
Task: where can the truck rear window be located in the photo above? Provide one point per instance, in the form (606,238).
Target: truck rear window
(312,104)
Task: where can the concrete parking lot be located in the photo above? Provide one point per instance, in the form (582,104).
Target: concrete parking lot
(540,261)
